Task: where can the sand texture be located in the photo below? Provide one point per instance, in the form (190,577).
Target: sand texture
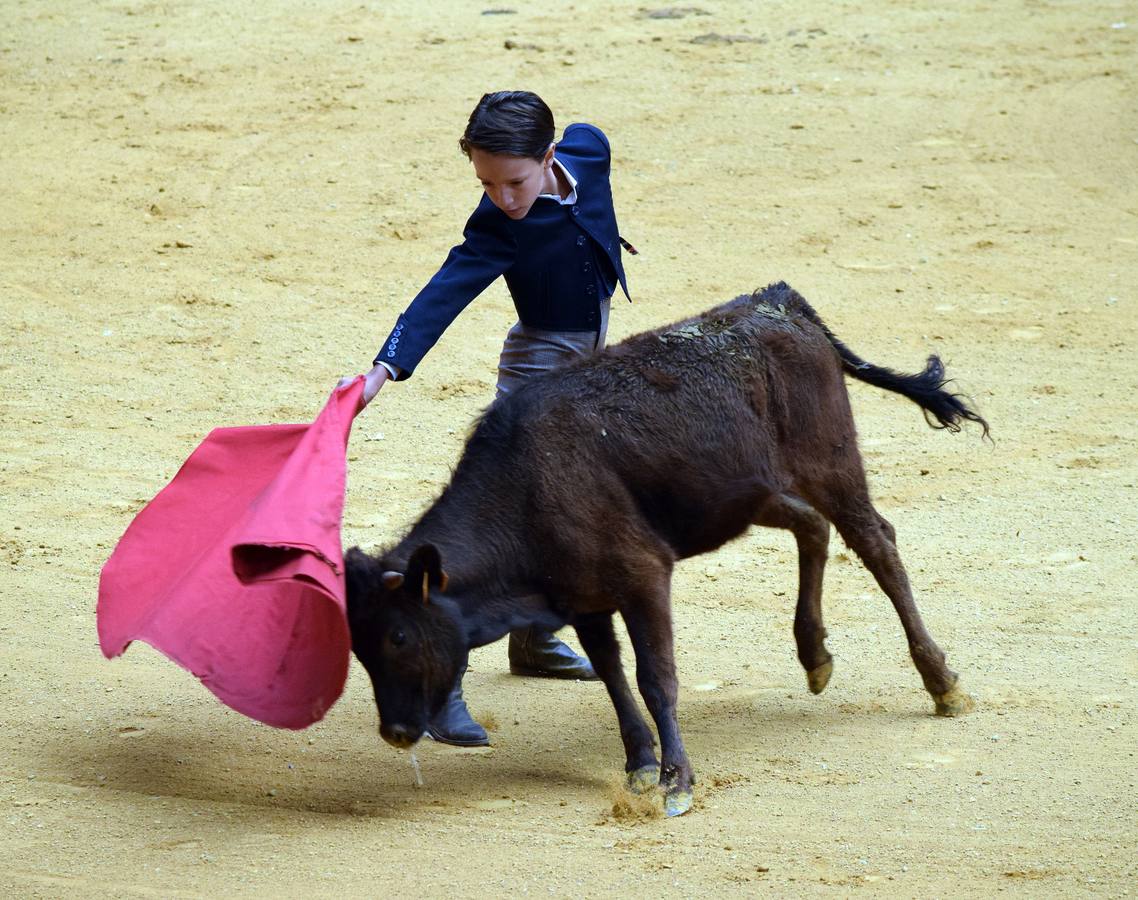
(210,211)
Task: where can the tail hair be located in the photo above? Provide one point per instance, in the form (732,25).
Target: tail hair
(942,408)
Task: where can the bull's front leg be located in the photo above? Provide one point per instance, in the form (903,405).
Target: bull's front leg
(599,641)
(649,622)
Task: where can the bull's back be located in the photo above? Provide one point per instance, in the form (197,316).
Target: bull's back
(686,431)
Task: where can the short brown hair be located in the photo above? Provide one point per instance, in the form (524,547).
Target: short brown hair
(512,123)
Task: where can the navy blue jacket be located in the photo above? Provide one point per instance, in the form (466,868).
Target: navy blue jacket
(559,262)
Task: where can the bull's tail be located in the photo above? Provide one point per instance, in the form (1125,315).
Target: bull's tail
(926,388)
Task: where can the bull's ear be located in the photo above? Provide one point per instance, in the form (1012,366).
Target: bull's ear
(425,568)
(359,571)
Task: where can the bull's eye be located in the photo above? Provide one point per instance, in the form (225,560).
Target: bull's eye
(398,638)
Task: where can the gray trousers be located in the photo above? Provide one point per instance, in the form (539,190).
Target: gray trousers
(531,351)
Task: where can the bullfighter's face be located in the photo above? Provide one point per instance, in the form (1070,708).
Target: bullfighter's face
(412,649)
(513,183)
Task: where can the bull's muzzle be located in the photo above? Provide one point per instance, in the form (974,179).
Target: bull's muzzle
(401,736)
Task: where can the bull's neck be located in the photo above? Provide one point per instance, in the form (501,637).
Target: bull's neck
(485,555)
(485,619)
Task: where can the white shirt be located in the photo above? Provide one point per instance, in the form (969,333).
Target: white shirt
(572,198)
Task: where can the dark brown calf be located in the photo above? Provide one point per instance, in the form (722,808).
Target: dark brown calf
(577,493)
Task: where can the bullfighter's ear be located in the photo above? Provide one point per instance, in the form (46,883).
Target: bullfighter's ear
(425,567)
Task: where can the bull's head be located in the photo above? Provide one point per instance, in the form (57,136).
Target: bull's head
(407,638)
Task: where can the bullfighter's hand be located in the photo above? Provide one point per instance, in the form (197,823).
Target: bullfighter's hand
(373,381)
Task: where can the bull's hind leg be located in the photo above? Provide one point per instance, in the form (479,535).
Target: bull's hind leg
(599,642)
(812,533)
(871,537)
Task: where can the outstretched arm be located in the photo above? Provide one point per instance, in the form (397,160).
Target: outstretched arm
(374,379)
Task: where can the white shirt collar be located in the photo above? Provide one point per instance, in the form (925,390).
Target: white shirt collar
(572,198)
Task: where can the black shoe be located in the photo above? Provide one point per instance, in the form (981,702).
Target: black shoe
(540,654)
(454,724)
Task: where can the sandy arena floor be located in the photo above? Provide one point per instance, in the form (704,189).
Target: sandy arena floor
(210,211)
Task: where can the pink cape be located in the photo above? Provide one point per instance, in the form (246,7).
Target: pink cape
(235,570)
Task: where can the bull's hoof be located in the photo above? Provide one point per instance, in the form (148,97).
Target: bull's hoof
(644,779)
(678,801)
(954,702)
(817,678)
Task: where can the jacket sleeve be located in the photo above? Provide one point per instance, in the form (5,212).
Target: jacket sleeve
(487,251)
(595,146)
